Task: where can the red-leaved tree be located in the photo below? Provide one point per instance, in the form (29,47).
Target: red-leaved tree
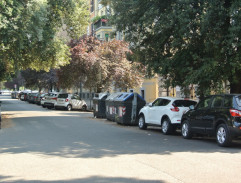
(100,66)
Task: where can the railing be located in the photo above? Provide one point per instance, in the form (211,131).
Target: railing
(101,23)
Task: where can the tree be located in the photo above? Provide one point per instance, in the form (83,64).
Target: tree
(40,79)
(15,83)
(186,41)
(100,65)
(29,32)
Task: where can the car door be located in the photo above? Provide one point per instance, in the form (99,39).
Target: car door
(158,110)
(212,114)
(151,111)
(197,115)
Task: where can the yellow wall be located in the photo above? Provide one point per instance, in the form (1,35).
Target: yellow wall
(150,87)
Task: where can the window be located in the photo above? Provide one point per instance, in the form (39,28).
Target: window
(65,95)
(164,102)
(160,102)
(183,103)
(217,102)
(156,102)
(228,101)
(204,103)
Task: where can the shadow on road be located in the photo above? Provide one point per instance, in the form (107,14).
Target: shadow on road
(80,137)
(93,179)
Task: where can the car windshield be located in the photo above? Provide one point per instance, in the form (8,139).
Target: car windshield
(64,95)
(184,103)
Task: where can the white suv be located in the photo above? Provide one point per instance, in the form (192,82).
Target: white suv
(70,102)
(165,112)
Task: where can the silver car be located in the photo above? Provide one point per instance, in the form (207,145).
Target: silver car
(50,100)
(69,102)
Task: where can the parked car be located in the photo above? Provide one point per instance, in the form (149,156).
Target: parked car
(215,115)
(50,100)
(43,100)
(32,97)
(165,112)
(39,98)
(69,102)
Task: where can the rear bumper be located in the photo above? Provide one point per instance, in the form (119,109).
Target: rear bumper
(61,105)
(235,131)
(48,104)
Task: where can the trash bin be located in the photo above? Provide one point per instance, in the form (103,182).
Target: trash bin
(128,106)
(99,105)
(110,108)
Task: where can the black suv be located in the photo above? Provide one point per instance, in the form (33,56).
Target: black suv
(215,115)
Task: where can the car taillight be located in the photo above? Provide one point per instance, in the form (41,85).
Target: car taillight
(54,98)
(235,113)
(66,100)
(175,109)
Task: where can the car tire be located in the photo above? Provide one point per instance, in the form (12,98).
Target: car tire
(167,127)
(185,130)
(49,107)
(141,122)
(223,136)
(84,108)
(69,107)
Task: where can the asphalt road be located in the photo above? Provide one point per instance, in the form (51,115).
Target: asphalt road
(41,145)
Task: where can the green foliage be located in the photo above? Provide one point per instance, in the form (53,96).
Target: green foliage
(29,32)
(97,18)
(185,41)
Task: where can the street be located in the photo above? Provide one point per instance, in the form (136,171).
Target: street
(42,145)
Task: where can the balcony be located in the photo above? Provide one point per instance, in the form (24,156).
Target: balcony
(102,24)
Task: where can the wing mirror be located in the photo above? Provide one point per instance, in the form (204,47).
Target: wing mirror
(150,104)
(191,107)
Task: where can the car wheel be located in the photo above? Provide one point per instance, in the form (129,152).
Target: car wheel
(49,107)
(43,106)
(223,136)
(166,127)
(84,108)
(141,122)
(69,107)
(186,132)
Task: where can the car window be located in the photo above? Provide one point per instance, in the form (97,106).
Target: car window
(64,95)
(75,97)
(156,102)
(217,102)
(203,104)
(164,102)
(183,103)
(228,101)
(160,102)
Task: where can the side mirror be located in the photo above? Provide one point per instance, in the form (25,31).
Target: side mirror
(150,104)
(191,107)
